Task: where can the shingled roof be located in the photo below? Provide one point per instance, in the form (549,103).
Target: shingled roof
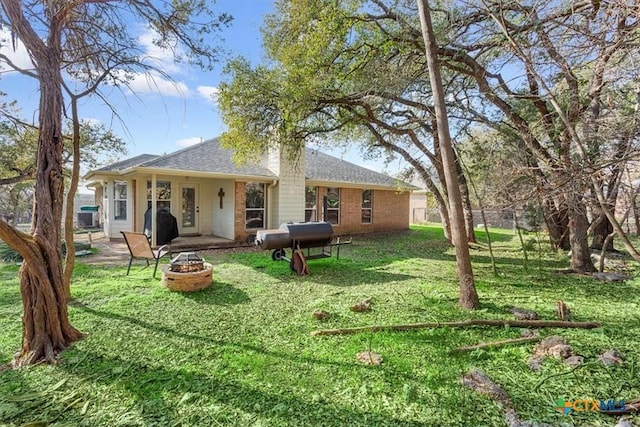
(128,163)
(208,157)
(326,168)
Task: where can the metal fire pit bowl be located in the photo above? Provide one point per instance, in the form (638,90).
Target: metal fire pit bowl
(186,262)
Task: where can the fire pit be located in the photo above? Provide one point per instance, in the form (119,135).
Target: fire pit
(186,262)
(187,272)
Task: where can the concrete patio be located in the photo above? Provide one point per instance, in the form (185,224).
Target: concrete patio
(114,251)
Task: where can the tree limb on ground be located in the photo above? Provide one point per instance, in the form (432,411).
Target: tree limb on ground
(479,381)
(460,324)
(496,344)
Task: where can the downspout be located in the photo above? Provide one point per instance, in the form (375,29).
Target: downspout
(268,216)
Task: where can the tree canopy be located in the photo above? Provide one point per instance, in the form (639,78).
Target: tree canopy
(551,79)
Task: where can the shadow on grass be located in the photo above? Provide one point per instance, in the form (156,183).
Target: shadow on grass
(199,338)
(382,249)
(219,293)
(154,386)
(532,264)
(327,271)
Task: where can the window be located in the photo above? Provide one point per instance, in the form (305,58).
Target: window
(120,200)
(310,204)
(367,206)
(254,207)
(332,208)
(162,194)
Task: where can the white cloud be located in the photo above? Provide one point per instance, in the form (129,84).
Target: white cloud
(187,142)
(162,59)
(159,57)
(153,82)
(210,93)
(19,56)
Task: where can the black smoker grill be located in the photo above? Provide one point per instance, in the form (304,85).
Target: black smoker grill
(303,235)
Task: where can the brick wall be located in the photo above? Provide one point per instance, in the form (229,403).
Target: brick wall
(390,211)
(240,198)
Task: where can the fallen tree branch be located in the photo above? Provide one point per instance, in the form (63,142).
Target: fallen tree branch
(496,344)
(460,324)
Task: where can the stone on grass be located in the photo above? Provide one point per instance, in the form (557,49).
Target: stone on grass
(610,358)
(622,422)
(560,351)
(320,314)
(554,346)
(611,276)
(524,314)
(574,361)
(551,341)
(369,358)
(364,305)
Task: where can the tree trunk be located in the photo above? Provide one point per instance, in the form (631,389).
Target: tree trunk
(446,223)
(46,327)
(578,226)
(440,203)
(70,257)
(600,234)
(636,212)
(468,296)
(466,203)
(557,222)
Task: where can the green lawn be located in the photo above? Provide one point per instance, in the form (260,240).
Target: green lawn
(240,352)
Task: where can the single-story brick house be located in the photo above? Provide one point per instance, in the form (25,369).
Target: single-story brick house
(210,195)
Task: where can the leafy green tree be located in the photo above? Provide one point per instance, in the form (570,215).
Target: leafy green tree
(552,91)
(340,75)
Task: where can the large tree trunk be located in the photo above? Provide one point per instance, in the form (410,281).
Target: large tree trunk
(557,222)
(468,296)
(46,326)
(578,226)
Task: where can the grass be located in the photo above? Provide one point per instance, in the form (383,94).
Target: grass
(240,352)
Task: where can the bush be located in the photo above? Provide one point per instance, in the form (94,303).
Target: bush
(8,254)
(80,246)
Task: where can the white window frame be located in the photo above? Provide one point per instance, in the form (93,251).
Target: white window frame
(165,200)
(367,209)
(336,209)
(313,211)
(120,199)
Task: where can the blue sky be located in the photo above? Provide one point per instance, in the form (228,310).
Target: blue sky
(163,117)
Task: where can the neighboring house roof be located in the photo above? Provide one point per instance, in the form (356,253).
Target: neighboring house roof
(209,158)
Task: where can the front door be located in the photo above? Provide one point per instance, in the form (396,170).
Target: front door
(190,209)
